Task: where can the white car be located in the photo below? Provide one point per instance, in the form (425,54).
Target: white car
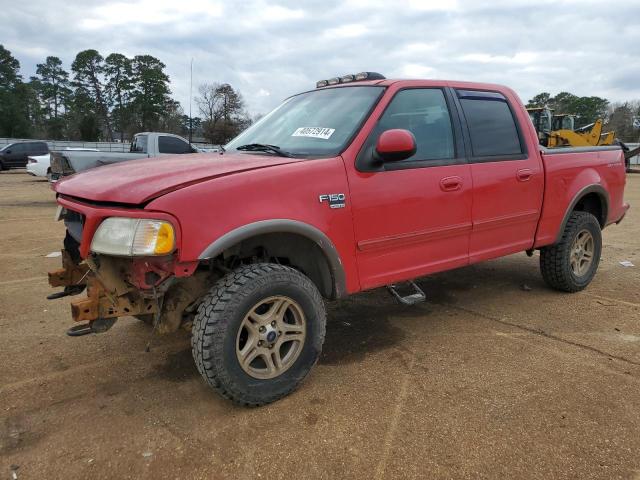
(40,165)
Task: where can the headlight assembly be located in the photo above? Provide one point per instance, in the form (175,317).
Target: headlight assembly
(133,237)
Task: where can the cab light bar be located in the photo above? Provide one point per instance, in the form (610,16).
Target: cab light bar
(350,78)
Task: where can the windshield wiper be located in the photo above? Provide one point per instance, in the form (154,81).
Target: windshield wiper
(263,147)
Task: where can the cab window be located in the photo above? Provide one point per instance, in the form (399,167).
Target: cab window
(492,127)
(173,145)
(139,144)
(424,112)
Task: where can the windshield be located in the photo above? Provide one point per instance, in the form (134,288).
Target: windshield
(316,123)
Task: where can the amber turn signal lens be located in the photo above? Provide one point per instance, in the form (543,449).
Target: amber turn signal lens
(165,240)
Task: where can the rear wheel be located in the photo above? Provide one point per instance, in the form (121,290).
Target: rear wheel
(258,333)
(571,264)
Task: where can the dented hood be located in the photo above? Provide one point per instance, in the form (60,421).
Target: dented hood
(139,181)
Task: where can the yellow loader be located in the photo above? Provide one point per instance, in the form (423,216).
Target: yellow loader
(558,130)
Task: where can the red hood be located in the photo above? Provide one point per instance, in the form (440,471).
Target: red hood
(137,181)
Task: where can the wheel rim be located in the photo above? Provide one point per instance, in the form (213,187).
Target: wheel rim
(271,337)
(582,253)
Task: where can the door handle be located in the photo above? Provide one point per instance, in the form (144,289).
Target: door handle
(450,184)
(524,174)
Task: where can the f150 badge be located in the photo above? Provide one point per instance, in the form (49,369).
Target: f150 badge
(335,200)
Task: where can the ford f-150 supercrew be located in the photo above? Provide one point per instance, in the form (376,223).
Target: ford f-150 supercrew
(360,183)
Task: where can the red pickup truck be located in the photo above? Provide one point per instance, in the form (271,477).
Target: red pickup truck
(360,183)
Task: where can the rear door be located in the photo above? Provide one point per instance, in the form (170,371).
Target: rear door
(508,180)
(412,217)
(28,149)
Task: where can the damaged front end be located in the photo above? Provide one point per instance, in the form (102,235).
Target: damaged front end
(156,289)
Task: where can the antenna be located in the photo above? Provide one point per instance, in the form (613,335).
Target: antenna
(190,101)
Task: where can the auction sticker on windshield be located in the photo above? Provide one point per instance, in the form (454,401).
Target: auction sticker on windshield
(314,132)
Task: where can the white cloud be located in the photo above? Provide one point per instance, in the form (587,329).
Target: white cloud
(148,12)
(351,30)
(433,5)
(519,58)
(414,70)
(272,49)
(280,13)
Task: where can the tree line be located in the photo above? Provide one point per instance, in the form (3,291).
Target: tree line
(109,98)
(618,116)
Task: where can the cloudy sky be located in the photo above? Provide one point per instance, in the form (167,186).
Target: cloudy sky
(271,49)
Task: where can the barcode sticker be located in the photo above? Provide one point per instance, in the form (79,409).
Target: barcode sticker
(314,132)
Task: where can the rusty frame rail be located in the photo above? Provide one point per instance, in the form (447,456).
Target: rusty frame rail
(70,274)
(99,304)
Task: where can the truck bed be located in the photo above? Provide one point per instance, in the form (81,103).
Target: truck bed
(567,170)
(68,163)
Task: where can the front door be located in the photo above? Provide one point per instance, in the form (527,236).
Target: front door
(412,217)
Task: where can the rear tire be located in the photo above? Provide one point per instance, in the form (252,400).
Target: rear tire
(571,264)
(258,332)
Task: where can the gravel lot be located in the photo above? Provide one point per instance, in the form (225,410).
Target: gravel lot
(495,377)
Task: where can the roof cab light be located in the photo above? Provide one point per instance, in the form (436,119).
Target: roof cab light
(370,76)
(350,78)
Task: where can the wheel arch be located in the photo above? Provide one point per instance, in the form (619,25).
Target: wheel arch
(306,246)
(593,199)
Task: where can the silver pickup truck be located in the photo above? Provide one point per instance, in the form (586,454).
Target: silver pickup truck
(144,145)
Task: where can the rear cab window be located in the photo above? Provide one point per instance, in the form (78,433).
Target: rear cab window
(493,131)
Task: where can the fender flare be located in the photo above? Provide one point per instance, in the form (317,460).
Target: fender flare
(604,198)
(262,227)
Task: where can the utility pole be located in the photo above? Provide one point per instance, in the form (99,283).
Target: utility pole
(190,101)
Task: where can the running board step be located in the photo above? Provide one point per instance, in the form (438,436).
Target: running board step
(411,299)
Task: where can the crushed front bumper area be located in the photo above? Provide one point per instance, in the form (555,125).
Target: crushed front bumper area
(120,287)
(108,295)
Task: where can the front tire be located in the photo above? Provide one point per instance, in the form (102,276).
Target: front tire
(258,333)
(571,264)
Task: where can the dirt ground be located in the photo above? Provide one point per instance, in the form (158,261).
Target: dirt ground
(495,377)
